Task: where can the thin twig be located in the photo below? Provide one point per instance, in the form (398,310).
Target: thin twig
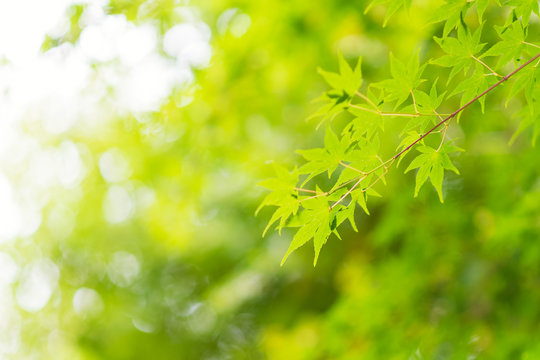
(351,167)
(443,137)
(305,190)
(348,192)
(414,102)
(314,196)
(533,45)
(493,72)
(378,112)
(386,169)
(367,99)
(391,114)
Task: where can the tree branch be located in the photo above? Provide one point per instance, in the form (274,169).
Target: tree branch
(455,113)
(444,121)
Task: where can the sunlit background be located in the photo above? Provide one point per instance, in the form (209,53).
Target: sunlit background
(70,74)
(132,137)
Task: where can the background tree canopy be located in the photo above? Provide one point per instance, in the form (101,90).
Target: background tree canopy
(132,139)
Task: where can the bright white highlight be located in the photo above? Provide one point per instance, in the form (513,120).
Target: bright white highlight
(114,166)
(87,301)
(189,44)
(50,104)
(38,282)
(70,169)
(118,205)
(143,326)
(8,270)
(123,269)
(22,29)
(234,21)
(11,221)
(114,69)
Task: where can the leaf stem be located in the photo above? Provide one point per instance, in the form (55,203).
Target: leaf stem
(378,112)
(443,137)
(530,44)
(348,192)
(352,168)
(368,100)
(493,72)
(414,102)
(386,169)
(305,190)
(315,196)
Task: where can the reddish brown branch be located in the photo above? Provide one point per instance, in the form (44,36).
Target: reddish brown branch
(452,115)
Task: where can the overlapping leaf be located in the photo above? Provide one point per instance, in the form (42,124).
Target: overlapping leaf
(451,13)
(431,164)
(327,158)
(405,78)
(460,51)
(511,45)
(392,6)
(525,8)
(353,161)
(283,196)
(344,84)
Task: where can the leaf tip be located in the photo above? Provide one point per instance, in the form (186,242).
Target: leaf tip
(284,259)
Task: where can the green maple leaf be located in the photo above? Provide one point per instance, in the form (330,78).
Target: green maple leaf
(334,102)
(511,46)
(431,164)
(526,80)
(428,103)
(392,7)
(481,6)
(530,118)
(525,8)
(318,226)
(364,123)
(460,51)
(327,158)
(405,78)
(473,85)
(283,196)
(347,80)
(425,104)
(451,13)
(344,85)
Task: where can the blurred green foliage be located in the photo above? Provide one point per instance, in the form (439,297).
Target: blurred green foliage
(420,279)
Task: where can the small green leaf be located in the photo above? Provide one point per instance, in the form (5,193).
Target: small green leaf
(431,164)
(511,46)
(525,8)
(460,51)
(436,176)
(359,197)
(302,236)
(451,12)
(318,227)
(421,177)
(405,79)
(481,6)
(392,7)
(333,79)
